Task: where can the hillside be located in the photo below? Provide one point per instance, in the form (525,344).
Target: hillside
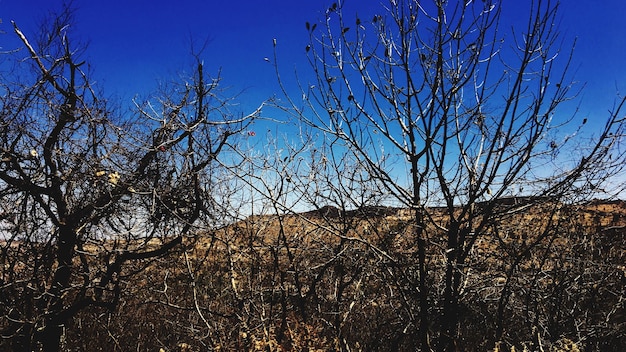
(550,277)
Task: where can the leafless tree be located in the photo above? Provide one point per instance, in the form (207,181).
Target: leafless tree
(87,190)
(317,203)
(456,117)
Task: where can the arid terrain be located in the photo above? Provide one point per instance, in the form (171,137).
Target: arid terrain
(549,278)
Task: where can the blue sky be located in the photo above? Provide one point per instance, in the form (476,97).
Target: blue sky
(133,44)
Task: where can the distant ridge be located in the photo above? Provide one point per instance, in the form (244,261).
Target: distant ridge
(332,212)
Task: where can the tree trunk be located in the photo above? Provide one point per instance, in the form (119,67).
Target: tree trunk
(423,286)
(450,317)
(51,338)
(52,332)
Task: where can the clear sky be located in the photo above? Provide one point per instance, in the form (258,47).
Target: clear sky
(135,43)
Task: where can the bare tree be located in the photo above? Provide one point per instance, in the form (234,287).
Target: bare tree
(316,203)
(456,117)
(87,190)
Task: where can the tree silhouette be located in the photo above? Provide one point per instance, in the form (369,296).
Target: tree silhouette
(86,190)
(451,112)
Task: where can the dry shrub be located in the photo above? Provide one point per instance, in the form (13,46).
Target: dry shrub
(290,284)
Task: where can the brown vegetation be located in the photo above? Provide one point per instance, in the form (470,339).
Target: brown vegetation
(280,283)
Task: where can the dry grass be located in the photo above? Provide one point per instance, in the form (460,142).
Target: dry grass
(309,282)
